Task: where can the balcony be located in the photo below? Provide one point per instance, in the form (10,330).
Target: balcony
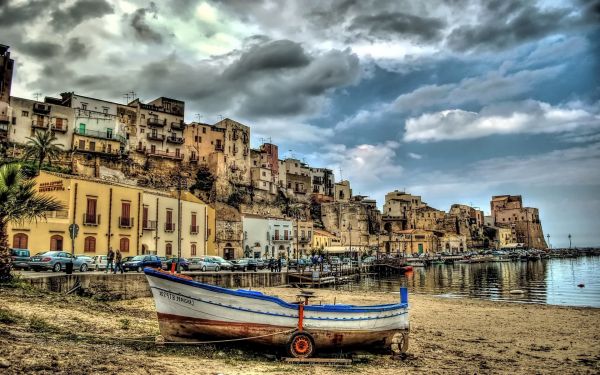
(177,125)
(194,159)
(4,119)
(156,122)
(125,222)
(176,140)
(60,129)
(194,229)
(41,108)
(304,239)
(219,147)
(169,227)
(149,225)
(107,134)
(281,238)
(40,125)
(164,154)
(91,219)
(99,149)
(155,137)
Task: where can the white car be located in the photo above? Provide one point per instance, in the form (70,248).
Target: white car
(204,263)
(100,262)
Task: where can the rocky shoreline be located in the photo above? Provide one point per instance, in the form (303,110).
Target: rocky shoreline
(52,333)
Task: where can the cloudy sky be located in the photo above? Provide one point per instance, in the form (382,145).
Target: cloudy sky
(454,100)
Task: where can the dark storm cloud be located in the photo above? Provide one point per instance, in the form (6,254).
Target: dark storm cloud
(392,25)
(279,54)
(11,14)
(40,50)
(77,49)
(142,30)
(505,24)
(80,11)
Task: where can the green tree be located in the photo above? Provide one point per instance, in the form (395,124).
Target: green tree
(42,146)
(19,202)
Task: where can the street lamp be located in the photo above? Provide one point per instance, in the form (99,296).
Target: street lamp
(548,236)
(350,239)
(569,240)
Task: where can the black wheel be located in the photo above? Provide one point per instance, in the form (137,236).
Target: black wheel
(301,345)
(57,267)
(245,269)
(217,269)
(203,269)
(83,268)
(139,269)
(36,269)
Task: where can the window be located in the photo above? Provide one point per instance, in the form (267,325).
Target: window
(92,146)
(20,241)
(169,216)
(193,249)
(84,106)
(277,234)
(203,130)
(126,214)
(58,123)
(105,110)
(145,216)
(25,113)
(81,144)
(56,243)
(109,148)
(193,219)
(196,138)
(124,245)
(90,215)
(169,249)
(89,244)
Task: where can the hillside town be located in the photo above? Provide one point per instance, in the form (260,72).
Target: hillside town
(135,176)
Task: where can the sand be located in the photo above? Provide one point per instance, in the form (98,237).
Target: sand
(51,333)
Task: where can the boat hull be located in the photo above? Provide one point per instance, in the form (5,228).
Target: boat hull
(190,311)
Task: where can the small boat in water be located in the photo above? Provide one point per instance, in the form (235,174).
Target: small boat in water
(192,311)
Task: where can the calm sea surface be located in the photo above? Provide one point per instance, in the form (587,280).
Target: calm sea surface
(552,281)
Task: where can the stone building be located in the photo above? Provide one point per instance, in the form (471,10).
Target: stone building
(6,74)
(30,116)
(323,183)
(303,233)
(201,141)
(297,179)
(453,243)
(159,131)
(236,151)
(342,191)
(524,222)
(411,242)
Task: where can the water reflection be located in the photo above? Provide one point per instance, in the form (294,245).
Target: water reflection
(552,281)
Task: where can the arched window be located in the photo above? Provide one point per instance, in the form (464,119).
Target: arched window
(89,244)
(20,241)
(124,245)
(193,249)
(56,243)
(169,249)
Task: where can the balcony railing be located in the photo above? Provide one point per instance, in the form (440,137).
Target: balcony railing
(169,227)
(164,154)
(194,229)
(176,140)
(149,225)
(281,238)
(39,124)
(193,159)
(125,222)
(100,134)
(219,147)
(177,125)
(155,137)
(41,108)
(91,219)
(4,119)
(62,128)
(156,122)
(304,239)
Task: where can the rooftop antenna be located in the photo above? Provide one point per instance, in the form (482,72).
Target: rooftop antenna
(126,96)
(199,117)
(37,96)
(341,175)
(133,95)
(221,117)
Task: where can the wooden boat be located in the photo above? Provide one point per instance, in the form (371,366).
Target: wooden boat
(192,311)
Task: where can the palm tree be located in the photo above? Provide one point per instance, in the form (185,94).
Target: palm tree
(19,202)
(42,146)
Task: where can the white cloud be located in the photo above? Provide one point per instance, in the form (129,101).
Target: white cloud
(412,155)
(529,116)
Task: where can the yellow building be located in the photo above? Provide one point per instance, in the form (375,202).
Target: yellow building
(323,239)
(108,214)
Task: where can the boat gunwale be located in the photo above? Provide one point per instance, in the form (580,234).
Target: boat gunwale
(280,302)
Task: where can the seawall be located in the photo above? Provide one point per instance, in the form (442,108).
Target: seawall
(135,285)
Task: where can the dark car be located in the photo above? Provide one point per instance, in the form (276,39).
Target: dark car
(163,261)
(244,264)
(261,264)
(138,263)
(297,263)
(20,258)
(183,263)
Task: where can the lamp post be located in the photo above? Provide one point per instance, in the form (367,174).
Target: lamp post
(548,236)
(569,240)
(350,239)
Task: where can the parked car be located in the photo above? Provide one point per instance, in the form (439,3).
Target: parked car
(223,264)
(260,264)
(297,263)
(183,263)
(204,263)
(88,259)
(368,260)
(56,261)
(245,264)
(334,260)
(20,258)
(163,261)
(100,262)
(137,263)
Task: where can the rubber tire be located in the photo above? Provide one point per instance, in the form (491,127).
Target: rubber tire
(245,269)
(139,269)
(83,268)
(203,269)
(217,269)
(36,270)
(55,268)
(302,339)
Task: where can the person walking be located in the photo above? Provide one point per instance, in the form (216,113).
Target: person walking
(109,260)
(279,264)
(118,259)
(271,264)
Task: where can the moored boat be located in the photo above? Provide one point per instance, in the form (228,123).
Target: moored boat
(191,311)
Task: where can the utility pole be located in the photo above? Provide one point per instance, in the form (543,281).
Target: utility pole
(570,240)
(350,239)
(179,224)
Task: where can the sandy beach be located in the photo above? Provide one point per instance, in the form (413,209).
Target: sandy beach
(51,333)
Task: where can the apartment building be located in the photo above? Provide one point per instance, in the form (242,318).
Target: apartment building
(266,237)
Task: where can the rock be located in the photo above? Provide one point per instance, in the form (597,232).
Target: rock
(4,363)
